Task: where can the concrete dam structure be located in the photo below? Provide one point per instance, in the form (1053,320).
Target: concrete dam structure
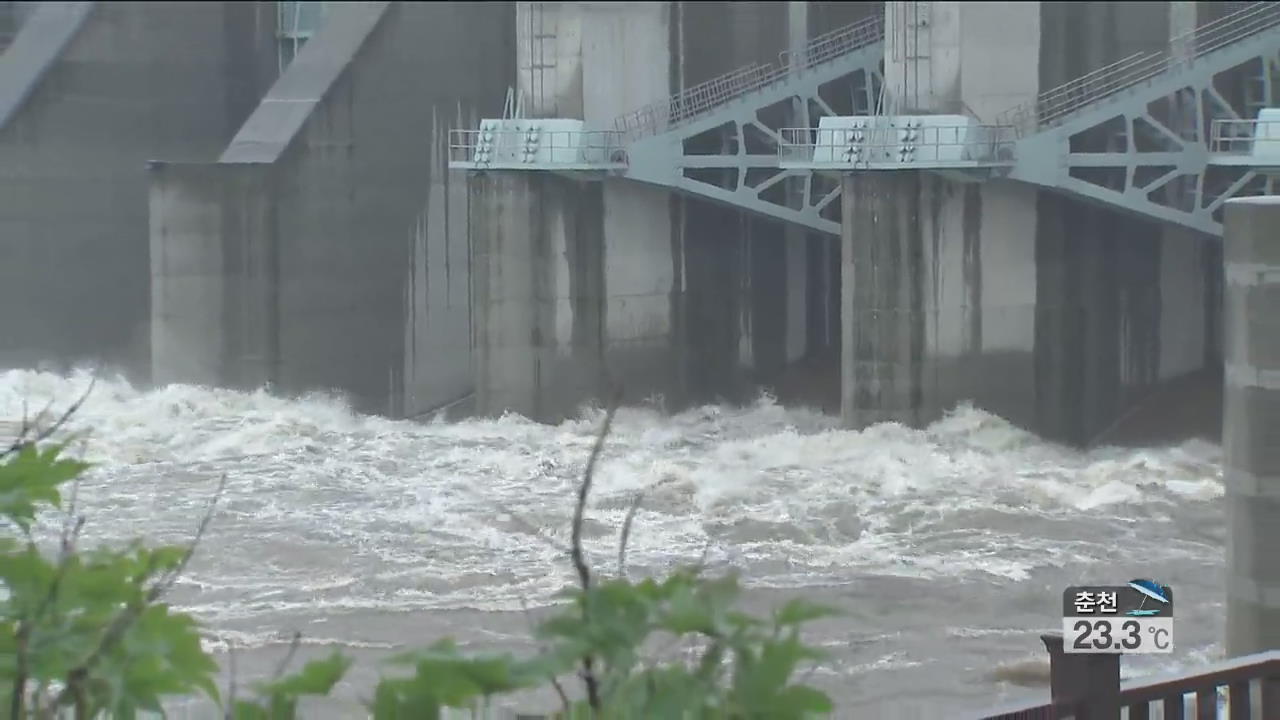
(1026,200)
(905,205)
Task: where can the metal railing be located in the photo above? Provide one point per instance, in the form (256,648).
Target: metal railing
(1243,137)
(1089,686)
(882,144)
(508,146)
(698,100)
(1052,106)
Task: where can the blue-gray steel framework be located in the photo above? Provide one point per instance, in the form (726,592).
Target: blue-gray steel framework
(1134,135)
(739,119)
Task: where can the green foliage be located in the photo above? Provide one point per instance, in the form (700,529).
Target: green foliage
(744,665)
(87,632)
(444,678)
(30,477)
(280,698)
(744,668)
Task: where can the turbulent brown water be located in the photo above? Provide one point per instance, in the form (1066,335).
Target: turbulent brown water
(947,547)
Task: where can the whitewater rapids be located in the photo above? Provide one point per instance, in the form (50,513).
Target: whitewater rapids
(948,547)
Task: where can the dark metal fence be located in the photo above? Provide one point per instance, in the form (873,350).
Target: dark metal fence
(1087,687)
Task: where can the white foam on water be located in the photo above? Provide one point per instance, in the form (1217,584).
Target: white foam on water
(221,640)
(330,510)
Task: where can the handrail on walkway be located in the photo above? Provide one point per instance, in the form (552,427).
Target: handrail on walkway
(506,146)
(1088,687)
(1052,106)
(698,100)
(960,145)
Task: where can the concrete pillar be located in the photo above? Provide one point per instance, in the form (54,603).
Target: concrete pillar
(797,321)
(214,276)
(504,303)
(1183,301)
(1251,431)
(536,273)
(1189,305)
(549,59)
(1183,18)
(913,79)
(953,272)
(882,304)
(591,267)
(626,52)
(532,316)
(795,237)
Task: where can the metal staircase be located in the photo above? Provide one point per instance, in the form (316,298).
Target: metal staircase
(717,140)
(1170,134)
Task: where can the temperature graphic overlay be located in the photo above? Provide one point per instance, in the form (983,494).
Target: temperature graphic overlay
(1135,618)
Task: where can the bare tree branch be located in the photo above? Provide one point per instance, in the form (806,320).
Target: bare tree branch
(19,692)
(25,437)
(77,676)
(74,524)
(70,531)
(22,429)
(288,656)
(38,708)
(533,529)
(701,565)
(579,561)
(555,682)
(626,535)
(231,680)
(163,587)
(28,422)
(584,491)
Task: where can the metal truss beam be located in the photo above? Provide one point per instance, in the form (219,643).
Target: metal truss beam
(1136,135)
(742,170)
(1145,147)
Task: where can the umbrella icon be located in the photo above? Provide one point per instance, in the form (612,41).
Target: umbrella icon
(1149,589)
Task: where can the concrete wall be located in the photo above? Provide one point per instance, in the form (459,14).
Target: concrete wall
(1123,302)
(368,232)
(135,81)
(738,272)
(1184,303)
(12,16)
(761,300)
(437,293)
